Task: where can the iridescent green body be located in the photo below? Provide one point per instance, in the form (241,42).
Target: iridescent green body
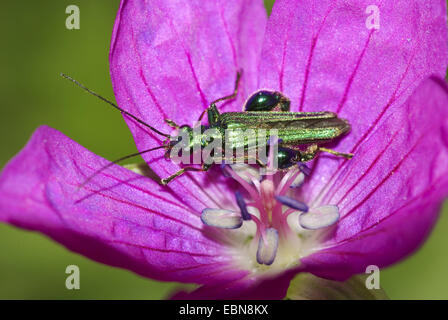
(293,128)
(300,134)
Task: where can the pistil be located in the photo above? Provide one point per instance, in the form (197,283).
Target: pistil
(268,206)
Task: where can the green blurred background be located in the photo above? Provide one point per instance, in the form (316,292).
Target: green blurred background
(35,48)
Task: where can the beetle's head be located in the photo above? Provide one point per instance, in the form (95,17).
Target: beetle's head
(287,158)
(182,139)
(265,100)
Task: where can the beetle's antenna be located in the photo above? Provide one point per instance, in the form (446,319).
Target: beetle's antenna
(113,105)
(115,162)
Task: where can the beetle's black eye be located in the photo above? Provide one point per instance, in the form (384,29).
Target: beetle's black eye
(262,101)
(286,158)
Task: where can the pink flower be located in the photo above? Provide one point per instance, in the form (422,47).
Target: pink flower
(170,59)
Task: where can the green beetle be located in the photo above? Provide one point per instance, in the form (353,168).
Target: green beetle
(300,133)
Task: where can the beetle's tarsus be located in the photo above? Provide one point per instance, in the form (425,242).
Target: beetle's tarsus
(172,124)
(235,90)
(165,181)
(336,153)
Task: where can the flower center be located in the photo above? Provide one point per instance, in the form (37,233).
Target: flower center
(281,222)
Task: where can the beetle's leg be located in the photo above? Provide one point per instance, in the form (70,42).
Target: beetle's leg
(165,181)
(246,159)
(172,124)
(202,115)
(312,150)
(235,90)
(336,153)
(212,106)
(309,154)
(261,163)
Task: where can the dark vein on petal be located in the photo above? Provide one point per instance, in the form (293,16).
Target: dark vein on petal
(231,43)
(392,99)
(307,72)
(196,80)
(203,98)
(188,189)
(390,174)
(240,44)
(352,76)
(151,94)
(372,164)
(165,232)
(386,107)
(135,205)
(162,250)
(204,190)
(191,210)
(227,285)
(139,126)
(410,201)
(142,76)
(229,38)
(310,58)
(196,267)
(190,63)
(224,269)
(282,67)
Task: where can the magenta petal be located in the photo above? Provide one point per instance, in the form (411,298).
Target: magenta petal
(273,288)
(390,193)
(119,218)
(170,59)
(321,54)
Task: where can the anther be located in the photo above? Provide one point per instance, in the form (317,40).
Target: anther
(320,217)
(242,205)
(246,172)
(221,218)
(292,203)
(304,168)
(267,247)
(224,171)
(298,181)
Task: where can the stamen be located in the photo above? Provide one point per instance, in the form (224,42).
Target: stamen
(273,140)
(266,206)
(292,203)
(224,170)
(320,217)
(304,168)
(292,179)
(242,205)
(267,247)
(298,181)
(270,170)
(221,218)
(249,188)
(246,172)
(267,190)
